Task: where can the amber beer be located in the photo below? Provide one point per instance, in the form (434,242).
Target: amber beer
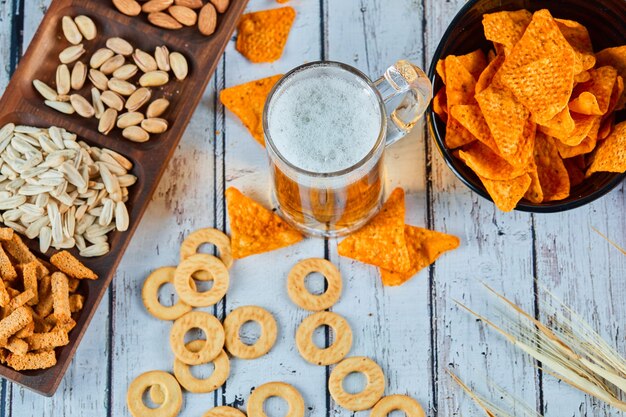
(326,128)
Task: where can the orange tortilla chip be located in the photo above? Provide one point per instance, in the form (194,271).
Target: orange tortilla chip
(507,120)
(486,77)
(506,28)
(506,194)
(615,57)
(247,101)
(560,126)
(440,104)
(606,127)
(584,127)
(575,169)
(460,83)
(381,241)
(474,62)
(582,77)
(456,134)
(262,35)
(254,229)
(534,194)
(587,145)
(471,118)
(424,247)
(578,37)
(540,68)
(616,96)
(484,162)
(552,174)
(611,153)
(441,69)
(594,96)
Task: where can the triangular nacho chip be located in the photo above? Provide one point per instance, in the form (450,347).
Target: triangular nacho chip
(456,134)
(552,173)
(424,247)
(254,229)
(615,57)
(560,126)
(534,194)
(487,164)
(486,77)
(475,62)
(460,83)
(440,104)
(262,35)
(611,153)
(381,241)
(506,194)
(471,118)
(247,101)
(578,37)
(506,28)
(594,96)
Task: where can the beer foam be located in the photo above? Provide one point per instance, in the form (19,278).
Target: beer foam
(323,119)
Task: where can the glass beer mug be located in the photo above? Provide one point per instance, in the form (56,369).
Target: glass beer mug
(326,128)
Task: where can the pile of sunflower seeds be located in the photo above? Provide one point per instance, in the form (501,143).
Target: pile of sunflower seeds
(61,190)
(121,78)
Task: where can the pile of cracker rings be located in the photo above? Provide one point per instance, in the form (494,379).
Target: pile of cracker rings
(255,230)
(535,117)
(40,303)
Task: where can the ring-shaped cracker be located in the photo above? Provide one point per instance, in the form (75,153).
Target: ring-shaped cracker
(183,374)
(216,271)
(173,399)
(150,295)
(237,318)
(275,389)
(335,352)
(374,387)
(196,239)
(223,411)
(212,346)
(301,296)
(397,402)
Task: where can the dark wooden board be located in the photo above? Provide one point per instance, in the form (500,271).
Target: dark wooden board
(21,104)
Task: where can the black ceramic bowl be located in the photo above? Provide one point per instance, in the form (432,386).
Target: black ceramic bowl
(606,22)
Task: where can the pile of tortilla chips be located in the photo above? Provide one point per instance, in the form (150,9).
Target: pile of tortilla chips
(531,118)
(398,249)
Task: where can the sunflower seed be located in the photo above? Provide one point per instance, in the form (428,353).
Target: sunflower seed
(95,250)
(71,54)
(144,61)
(121,87)
(110,65)
(45,239)
(63,79)
(161,55)
(79,75)
(60,106)
(121,217)
(12,202)
(45,90)
(70,31)
(119,46)
(15,226)
(123,161)
(179,65)
(33,229)
(125,72)
(100,57)
(154,125)
(107,121)
(112,99)
(136,100)
(154,79)
(98,79)
(42,200)
(129,119)
(106,213)
(126,180)
(82,106)
(73,176)
(86,26)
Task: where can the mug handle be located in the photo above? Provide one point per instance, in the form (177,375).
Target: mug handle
(407,84)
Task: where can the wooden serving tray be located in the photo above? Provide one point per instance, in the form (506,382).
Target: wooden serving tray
(22,104)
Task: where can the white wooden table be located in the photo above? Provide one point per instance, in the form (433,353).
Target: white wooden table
(414,332)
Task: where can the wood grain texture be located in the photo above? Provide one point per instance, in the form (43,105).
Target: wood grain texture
(415,332)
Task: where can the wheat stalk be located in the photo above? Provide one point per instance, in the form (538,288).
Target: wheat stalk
(569,348)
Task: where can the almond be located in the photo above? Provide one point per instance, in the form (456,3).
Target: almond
(164,21)
(154,6)
(192,4)
(183,14)
(70,31)
(135,134)
(207,19)
(128,7)
(157,108)
(79,75)
(113,100)
(220,5)
(86,26)
(63,79)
